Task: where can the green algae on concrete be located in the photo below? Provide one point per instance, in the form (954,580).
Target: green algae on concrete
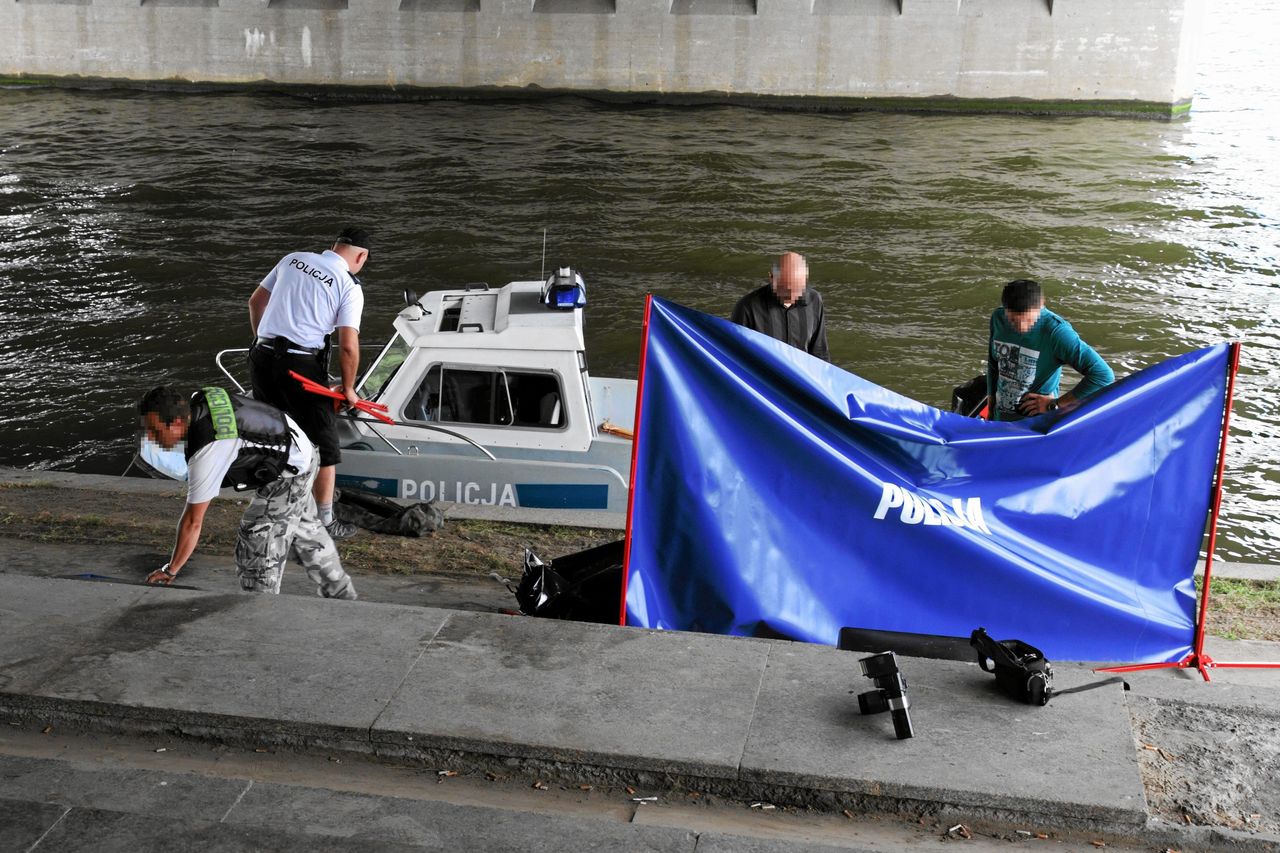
(800,103)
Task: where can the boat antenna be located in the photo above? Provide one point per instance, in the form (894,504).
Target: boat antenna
(542,275)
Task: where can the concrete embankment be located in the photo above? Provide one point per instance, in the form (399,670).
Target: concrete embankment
(1022,56)
(745,720)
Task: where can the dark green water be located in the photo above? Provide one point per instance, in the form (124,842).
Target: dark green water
(133,228)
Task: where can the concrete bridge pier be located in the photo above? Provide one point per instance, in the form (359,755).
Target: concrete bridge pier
(1031,56)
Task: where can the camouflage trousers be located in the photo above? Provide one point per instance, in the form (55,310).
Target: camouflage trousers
(282,520)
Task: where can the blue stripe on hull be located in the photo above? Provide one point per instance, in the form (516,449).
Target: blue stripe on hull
(563,495)
(380,485)
(533,495)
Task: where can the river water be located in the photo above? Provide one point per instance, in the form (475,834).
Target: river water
(133,228)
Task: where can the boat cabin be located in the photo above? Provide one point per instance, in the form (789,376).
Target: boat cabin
(503,366)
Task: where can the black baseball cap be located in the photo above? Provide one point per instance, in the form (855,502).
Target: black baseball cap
(357,237)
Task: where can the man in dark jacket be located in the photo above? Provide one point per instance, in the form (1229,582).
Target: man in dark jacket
(787,308)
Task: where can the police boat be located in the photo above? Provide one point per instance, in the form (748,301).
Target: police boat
(492,406)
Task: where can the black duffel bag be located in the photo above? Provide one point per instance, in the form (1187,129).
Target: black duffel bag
(582,587)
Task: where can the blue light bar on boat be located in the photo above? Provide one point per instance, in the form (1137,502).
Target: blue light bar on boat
(565,290)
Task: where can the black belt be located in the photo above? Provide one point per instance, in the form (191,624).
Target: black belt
(281,346)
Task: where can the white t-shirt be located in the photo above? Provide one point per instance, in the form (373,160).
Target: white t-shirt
(311,295)
(211,463)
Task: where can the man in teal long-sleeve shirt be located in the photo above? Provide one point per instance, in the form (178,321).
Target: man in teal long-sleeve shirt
(1028,347)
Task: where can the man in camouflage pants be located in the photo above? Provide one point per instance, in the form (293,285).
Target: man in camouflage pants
(232,440)
(281,518)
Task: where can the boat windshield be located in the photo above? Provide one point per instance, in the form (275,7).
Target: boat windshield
(491,396)
(384,368)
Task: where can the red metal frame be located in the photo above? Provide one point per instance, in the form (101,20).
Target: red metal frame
(1198,659)
(635,452)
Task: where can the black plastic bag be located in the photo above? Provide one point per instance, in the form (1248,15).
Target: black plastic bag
(581,587)
(969,398)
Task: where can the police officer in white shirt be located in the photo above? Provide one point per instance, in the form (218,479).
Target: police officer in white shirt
(293,314)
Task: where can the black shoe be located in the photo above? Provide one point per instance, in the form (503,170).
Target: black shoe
(339,529)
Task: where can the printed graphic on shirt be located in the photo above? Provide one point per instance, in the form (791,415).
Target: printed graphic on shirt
(1016,370)
(322,276)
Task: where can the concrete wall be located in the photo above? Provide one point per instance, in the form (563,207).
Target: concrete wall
(1091,55)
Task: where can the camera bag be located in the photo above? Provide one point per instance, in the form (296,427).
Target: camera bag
(1021,670)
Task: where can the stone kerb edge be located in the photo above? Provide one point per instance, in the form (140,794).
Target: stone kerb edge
(875,799)
(142,720)
(1005,807)
(415,747)
(779,788)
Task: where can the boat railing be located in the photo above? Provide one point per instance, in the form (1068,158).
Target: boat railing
(466,439)
(227,373)
(240,388)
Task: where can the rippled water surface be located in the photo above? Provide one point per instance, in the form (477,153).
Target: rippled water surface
(133,228)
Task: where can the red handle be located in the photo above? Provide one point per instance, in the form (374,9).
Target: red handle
(377,410)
